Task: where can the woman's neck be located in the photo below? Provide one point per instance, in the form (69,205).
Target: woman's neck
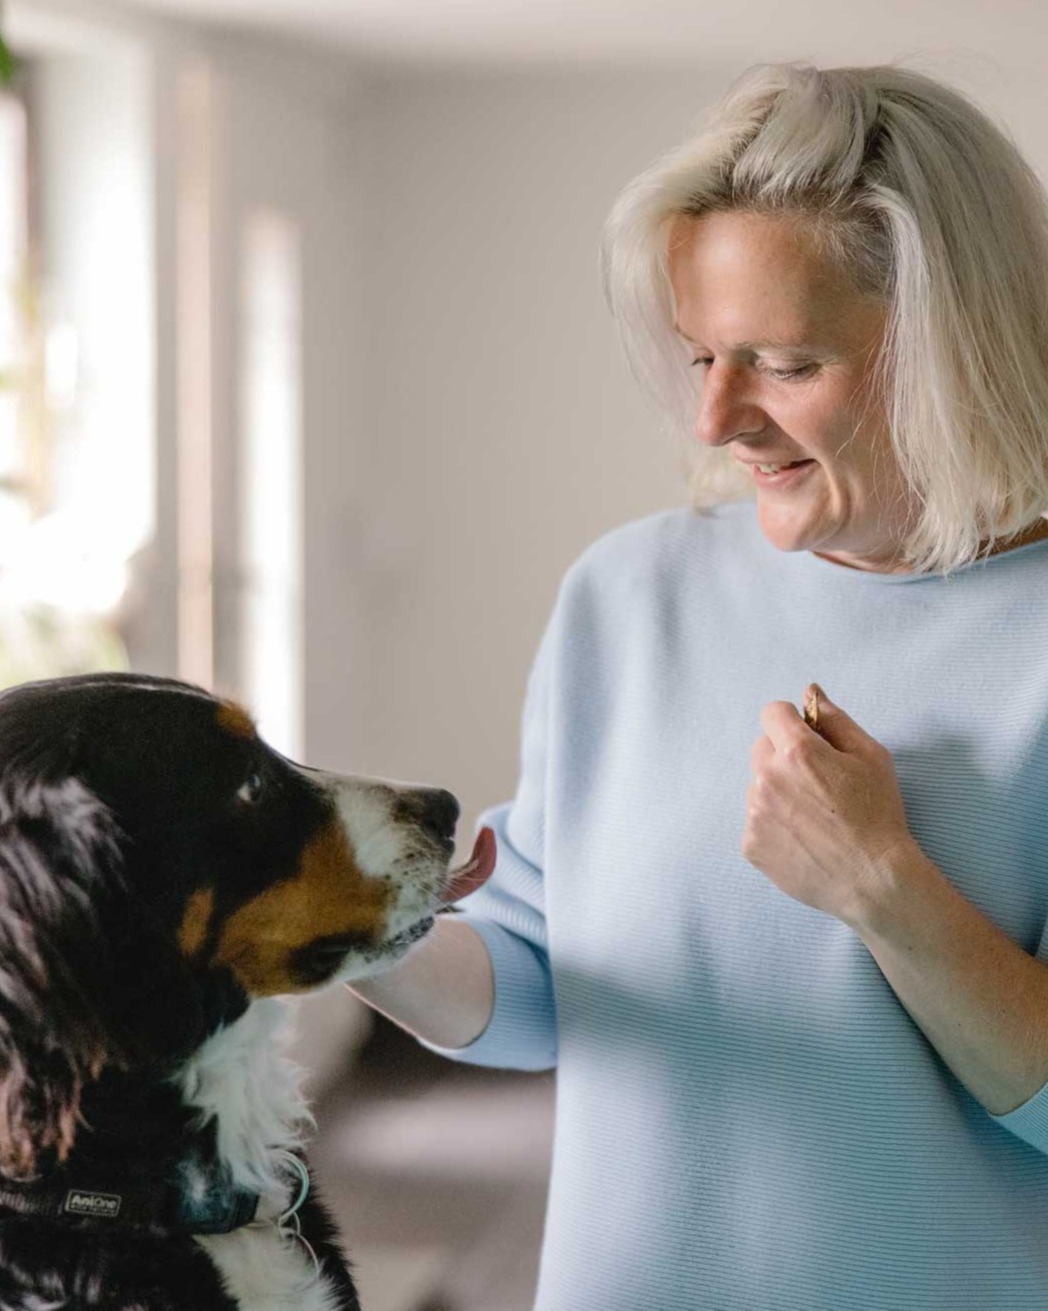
(1034,533)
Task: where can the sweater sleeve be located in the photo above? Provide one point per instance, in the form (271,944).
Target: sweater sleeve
(1030,1120)
(509,910)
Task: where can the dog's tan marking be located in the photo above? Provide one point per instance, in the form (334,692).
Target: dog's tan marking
(235,719)
(327,897)
(193,929)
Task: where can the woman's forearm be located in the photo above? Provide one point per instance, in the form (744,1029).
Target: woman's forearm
(443,991)
(981,1001)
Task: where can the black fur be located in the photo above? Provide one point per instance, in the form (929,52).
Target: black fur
(45,1264)
(117,802)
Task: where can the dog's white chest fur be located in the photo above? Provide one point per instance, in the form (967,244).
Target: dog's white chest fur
(240,1078)
(267,1271)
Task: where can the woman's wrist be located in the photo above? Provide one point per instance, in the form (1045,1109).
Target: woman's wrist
(442,991)
(898,895)
(979,998)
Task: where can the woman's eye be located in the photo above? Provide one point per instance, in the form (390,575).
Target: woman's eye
(785,375)
(250,790)
(781,375)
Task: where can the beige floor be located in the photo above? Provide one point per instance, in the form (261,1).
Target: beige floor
(437,1174)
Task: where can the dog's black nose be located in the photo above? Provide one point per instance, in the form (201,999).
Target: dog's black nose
(435,809)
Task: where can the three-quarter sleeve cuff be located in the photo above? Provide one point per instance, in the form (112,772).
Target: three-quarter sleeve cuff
(1029,1121)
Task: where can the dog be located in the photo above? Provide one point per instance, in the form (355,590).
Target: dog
(165,879)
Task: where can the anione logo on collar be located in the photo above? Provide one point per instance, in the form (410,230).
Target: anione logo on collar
(105,1206)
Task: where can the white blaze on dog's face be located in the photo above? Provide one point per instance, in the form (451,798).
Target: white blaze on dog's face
(361,889)
(399,839)
(365,886)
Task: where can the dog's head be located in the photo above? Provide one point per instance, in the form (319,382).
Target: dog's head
(161,867)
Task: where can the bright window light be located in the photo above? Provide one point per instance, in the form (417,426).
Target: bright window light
(271,479)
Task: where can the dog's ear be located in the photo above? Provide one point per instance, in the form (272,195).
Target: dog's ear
(59,869)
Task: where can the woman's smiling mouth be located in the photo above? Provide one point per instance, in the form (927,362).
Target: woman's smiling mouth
(779,475)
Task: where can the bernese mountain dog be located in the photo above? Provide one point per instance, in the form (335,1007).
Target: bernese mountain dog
(165,879)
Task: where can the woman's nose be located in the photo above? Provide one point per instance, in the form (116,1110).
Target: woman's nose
(726,409)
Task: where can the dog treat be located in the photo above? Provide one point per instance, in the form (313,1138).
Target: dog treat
(811,710)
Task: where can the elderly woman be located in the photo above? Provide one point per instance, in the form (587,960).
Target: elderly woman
(794,981)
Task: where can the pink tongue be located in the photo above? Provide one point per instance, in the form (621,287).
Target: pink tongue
(476,871)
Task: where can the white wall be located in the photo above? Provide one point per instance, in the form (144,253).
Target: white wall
(502,430)
(286,148)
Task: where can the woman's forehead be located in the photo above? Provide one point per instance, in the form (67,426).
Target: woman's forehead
(760,283)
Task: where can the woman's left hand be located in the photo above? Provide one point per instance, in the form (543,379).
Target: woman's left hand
(825,819)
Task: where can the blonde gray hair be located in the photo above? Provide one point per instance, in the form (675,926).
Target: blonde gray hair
(924,203)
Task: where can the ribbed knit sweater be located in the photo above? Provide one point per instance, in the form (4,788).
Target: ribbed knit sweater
(747,1119)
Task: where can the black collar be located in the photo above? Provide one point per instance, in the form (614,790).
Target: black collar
(141,1161)
(201,1199)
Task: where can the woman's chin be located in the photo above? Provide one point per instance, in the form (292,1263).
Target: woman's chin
(791,532)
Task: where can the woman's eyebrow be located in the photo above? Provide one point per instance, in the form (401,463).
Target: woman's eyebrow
(767,343)
(771,344)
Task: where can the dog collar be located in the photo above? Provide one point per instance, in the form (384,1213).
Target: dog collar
(200,1203)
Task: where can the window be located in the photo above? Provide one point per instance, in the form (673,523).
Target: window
(270,547)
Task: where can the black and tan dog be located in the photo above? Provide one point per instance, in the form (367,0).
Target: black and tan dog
(164,877)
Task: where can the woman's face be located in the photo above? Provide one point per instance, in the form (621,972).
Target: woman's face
(787,348)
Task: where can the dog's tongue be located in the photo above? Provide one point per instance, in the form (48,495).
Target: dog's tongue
(476,871)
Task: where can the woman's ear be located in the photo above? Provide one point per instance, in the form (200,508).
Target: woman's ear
(59,866)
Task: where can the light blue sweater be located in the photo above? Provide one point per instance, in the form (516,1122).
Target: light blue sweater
(747,1118)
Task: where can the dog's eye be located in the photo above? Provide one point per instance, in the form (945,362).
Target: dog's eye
(250,790)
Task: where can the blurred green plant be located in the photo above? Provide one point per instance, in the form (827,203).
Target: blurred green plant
(8,63)
(41,641)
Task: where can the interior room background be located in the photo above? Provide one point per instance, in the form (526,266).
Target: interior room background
(307,387)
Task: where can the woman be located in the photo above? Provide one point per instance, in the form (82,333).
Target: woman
(791,973)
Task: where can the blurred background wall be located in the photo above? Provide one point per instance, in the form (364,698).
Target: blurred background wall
(308,392)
